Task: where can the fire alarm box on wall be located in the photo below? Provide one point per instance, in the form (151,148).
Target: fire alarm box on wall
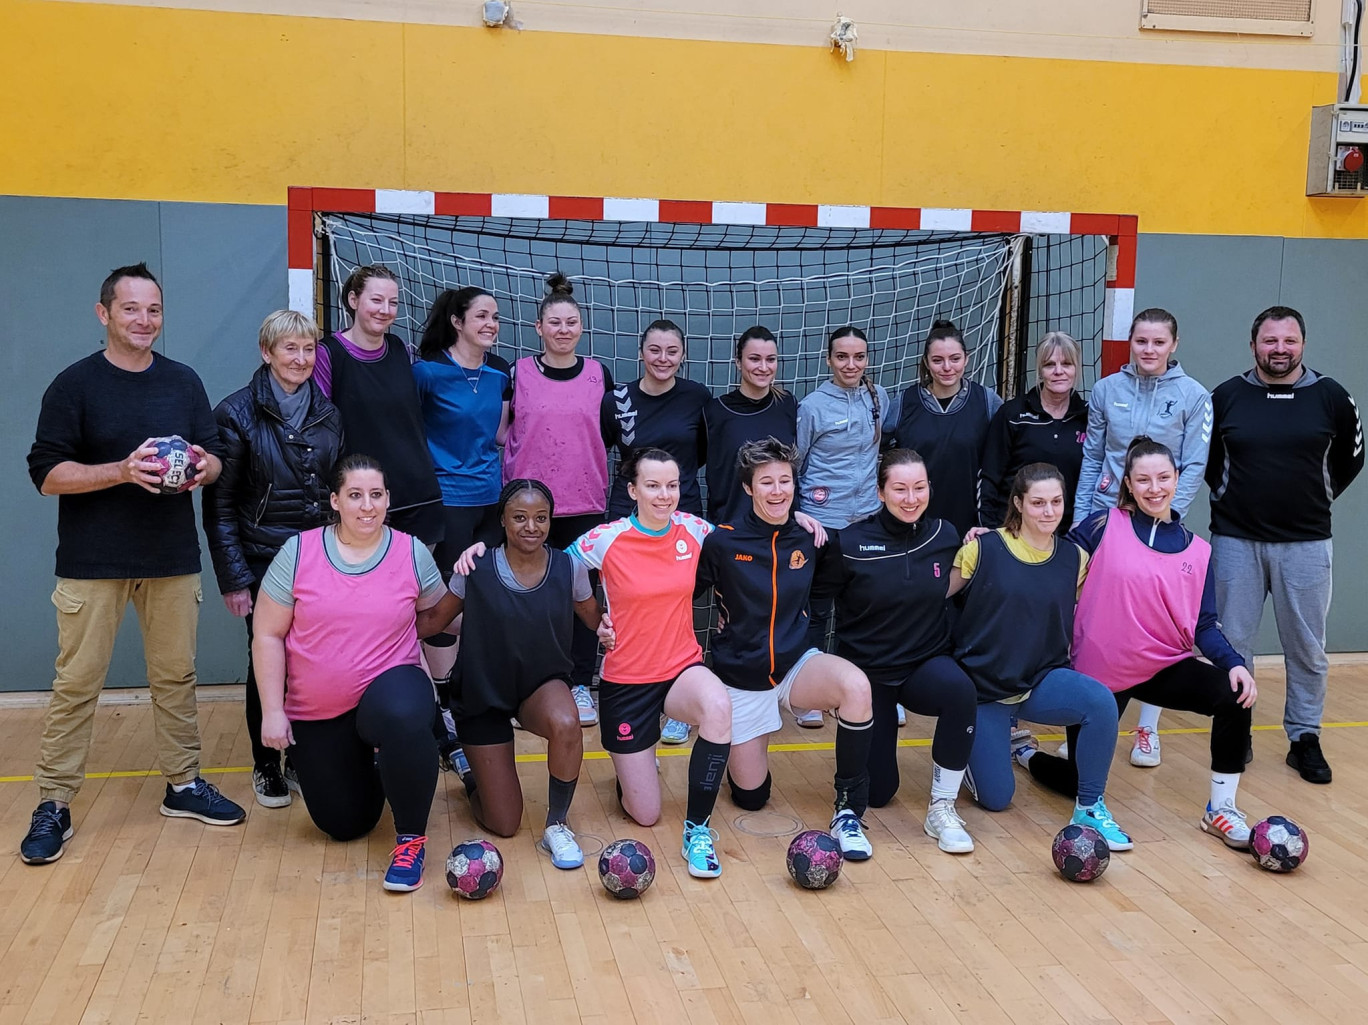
(1337,164)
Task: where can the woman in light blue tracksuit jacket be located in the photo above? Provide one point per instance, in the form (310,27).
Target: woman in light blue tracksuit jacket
(839,429)
(1150,395)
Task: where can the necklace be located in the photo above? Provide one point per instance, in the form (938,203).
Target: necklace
(474,382)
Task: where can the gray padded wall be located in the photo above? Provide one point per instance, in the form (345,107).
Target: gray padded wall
(1215,285)
(222,270)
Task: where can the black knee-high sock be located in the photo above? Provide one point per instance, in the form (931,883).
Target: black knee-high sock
(852,764)
(559,794)
(706,766)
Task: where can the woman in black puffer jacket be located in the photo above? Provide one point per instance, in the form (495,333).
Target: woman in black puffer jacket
(281,436)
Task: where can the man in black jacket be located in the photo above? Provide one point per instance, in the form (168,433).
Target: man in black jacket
(120,540)
(761,566)
(281,436)
(1287,442)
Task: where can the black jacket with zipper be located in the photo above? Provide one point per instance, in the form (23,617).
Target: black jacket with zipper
(274,481)
(1022,432)
(889,580)
(762,574)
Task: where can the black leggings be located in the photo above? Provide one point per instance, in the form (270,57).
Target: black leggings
(1186,686)
(345,782)
(938,687)
(261,754)
(584,643)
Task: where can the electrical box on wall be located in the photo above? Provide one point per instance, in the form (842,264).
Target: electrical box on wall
(1337,164)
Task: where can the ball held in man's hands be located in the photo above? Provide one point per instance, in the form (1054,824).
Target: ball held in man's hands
(175,464)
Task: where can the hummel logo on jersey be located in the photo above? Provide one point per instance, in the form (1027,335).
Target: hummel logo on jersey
(797,560)
(743,557)
(873,548)
(1280,395)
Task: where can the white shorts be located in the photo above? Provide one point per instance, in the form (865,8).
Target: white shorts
(756,712)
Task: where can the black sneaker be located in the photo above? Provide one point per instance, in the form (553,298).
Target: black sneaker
(270,787)
(201,800)
(1305,756)
(47,835)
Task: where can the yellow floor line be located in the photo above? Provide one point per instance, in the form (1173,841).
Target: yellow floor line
(676,752)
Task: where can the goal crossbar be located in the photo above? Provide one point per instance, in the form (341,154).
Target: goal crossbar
(1120,230)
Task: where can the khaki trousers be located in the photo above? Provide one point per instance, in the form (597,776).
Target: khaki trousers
(89,613)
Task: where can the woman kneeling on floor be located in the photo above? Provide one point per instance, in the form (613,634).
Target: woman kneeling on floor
(337,617)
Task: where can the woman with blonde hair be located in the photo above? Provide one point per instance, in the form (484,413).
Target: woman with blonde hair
(1048,424)
(281,436)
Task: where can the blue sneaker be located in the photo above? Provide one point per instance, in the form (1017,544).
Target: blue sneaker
(201,800)
(47,835)
(559,842)
(1100,819)
(674,731)
(406,863)
(700,851)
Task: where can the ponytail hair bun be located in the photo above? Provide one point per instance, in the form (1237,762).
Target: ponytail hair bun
(558,290)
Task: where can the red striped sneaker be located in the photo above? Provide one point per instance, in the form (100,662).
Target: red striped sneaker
(1228,823)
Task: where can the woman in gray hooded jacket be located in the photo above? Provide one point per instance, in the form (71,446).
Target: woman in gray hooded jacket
(839,427)
(1150,395)
(839,430)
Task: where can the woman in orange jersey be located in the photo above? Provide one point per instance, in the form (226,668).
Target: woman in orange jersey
(654,664)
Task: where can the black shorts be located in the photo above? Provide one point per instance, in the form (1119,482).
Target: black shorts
(422,521)
(493,725)
(463,525)
(629,713)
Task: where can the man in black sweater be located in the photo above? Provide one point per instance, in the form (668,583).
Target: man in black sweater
(1286,443)
(120,540)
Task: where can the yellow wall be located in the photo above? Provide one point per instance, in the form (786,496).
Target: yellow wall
(140,103)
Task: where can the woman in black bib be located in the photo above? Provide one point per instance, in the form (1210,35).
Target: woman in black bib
(515,659)
(758,408)
(1012,638)
(945,417)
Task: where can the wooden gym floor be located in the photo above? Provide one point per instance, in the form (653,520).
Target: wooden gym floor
(148,919)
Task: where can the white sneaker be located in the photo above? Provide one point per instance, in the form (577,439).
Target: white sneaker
(584,701)
(1145,753)
(944,825)
(559,842)
(1063,750)
(1229,824)
(848,832)
(811,719)
(902,717)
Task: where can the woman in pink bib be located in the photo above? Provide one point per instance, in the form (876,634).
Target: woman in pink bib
(555,437)
(1148,599)
(337,664)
